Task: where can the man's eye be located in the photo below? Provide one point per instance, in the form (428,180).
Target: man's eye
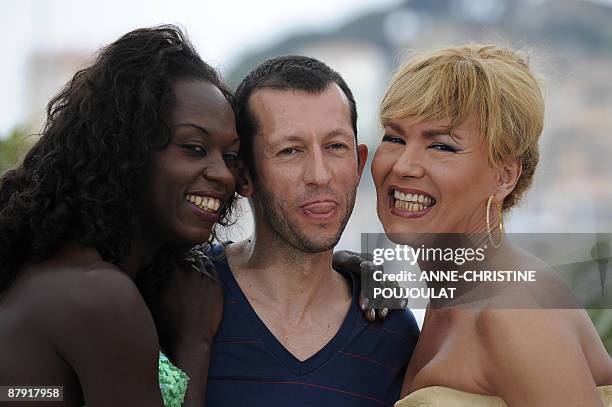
(443,147)
(288,151)
(393,139)
(337,146)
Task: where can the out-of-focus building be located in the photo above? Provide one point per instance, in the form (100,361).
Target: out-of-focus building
(571,47)
(47,73)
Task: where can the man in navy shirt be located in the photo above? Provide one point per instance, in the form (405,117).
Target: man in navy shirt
(292,332)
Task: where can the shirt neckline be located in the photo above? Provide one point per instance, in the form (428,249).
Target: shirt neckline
(331,348)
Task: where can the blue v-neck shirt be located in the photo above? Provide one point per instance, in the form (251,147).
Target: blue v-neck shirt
(362,365)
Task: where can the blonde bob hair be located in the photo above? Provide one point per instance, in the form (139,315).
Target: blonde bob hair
(491,84)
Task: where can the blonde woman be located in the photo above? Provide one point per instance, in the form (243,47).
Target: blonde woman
(460,147)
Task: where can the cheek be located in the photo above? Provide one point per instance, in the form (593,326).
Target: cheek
(463,186)
(382,165)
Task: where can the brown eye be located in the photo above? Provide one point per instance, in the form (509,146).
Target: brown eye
(194,148)
(230,157)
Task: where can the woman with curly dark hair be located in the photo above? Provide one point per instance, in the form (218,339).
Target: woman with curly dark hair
(138,157)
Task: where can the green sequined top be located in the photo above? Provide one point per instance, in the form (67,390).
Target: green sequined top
(172,382)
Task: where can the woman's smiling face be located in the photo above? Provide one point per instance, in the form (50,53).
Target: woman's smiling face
(194,177)
(432,180)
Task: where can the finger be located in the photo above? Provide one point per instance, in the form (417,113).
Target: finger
(371,315)
(364,302)
(381,314)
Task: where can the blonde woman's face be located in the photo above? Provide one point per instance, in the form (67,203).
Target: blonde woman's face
(431,181)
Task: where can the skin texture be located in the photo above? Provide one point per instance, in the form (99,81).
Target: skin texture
(307,175)
(413,155)
(529,356)
(77,321)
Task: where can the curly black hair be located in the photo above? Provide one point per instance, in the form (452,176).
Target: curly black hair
(80,180)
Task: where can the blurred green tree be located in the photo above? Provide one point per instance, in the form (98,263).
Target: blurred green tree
(13,148)
(602,319)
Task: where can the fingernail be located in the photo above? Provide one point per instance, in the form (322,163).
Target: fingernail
(364,303)
(372,314)
(384,312)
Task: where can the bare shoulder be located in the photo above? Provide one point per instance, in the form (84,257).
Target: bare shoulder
(530,326)
(529,353)
(101,295)
(62,303)
(80,289)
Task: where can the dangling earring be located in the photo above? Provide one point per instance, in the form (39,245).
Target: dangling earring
(501,221)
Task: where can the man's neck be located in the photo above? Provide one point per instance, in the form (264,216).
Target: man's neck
(273,270)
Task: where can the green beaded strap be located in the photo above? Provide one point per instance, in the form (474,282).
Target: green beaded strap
(172,382)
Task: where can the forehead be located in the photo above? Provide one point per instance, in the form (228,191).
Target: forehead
(294,112)
(203,104)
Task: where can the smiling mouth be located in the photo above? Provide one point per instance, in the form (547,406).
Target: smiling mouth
(206,203)
(412,202)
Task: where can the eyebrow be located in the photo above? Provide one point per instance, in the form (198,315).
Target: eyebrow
(297,137)
(202,129)
(430,133)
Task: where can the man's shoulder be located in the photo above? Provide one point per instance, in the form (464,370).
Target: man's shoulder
(402,323)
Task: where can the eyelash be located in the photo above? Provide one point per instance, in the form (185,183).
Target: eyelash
(393,139)
(334,146)
(443,147)
(338,146)
(436,146)
(233,158)
(194,148)
(285,151)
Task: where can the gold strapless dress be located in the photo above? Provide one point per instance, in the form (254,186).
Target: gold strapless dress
(438,396)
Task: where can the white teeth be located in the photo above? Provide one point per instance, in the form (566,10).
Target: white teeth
(422,200)
(207,203)
(411,202)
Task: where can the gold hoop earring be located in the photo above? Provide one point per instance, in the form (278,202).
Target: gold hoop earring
(501,221)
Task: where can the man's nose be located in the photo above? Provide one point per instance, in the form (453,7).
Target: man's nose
(317,170)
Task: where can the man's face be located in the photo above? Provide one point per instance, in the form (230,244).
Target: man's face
(306,163)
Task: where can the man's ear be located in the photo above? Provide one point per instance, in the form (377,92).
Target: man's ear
(506,178)
(362,153)
(244,183)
